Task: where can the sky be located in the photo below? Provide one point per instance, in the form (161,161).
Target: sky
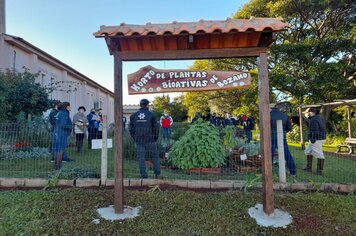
(64,29)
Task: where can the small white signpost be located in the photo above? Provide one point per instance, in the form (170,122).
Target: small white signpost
(103,144)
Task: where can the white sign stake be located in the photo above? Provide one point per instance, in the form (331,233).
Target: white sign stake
(281,160)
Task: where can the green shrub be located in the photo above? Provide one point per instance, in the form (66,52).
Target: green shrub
(294,135)
(74,172)
(333,139)
(129,146)
(229,137)
(179,129)
(199,147)
(22,153)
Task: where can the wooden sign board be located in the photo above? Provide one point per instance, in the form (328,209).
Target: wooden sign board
(151,80)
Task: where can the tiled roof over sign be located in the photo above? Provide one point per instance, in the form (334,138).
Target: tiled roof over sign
(201,35)
(202,26)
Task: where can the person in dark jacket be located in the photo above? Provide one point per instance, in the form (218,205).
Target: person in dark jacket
(196,117)
(316,138)
(144,130)
(248,125)
(213,120)
(62,130)
(93,125)
(230,120)
(52,115)
(276,114)
(52,122)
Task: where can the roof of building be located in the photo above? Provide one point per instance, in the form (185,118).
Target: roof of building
(25,45)
(227,34)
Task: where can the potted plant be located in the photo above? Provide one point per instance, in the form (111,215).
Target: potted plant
(245,157)
(200,147)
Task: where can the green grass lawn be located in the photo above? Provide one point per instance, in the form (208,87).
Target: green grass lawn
(72,211)
(337,169)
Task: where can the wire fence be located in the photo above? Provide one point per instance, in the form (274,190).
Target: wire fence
(188,152)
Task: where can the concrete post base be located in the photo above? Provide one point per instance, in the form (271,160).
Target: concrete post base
(108,213)
(277,219)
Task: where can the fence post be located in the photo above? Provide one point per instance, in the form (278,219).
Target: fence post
(281,160)
(104,152)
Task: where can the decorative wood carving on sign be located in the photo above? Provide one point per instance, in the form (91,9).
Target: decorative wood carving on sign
(151,80)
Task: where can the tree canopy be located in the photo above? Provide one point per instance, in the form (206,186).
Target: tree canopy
(20,94)
(313,61)
(176,109)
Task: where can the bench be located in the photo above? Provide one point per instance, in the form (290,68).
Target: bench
(349,144)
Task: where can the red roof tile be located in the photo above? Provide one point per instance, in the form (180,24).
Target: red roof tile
(176,28)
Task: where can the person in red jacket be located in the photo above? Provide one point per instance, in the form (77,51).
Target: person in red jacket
(166,122)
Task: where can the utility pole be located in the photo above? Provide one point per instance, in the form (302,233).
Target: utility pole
(2,17)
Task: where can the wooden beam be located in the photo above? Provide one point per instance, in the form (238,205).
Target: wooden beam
(265,127)
(118,153)
(349,121)
(301,128)
(192,54)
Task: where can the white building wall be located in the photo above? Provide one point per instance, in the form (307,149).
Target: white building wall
(69,86)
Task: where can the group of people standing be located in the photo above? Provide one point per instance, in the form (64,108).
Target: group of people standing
(62,126)
(247,123)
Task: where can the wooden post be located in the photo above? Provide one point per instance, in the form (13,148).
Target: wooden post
(104,152)
(281,160)
(118,168)
(265,127)
(349,121)
(301,127)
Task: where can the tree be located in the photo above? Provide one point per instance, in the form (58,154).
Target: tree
(20,94)
(176,108)
(312,60)
(234,101)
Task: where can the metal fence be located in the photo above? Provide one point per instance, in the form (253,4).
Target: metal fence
(198,153)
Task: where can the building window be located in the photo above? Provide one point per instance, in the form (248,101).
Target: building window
(43,77)
(98,104)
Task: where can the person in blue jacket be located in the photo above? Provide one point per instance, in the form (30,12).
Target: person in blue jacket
(276,114)
(144,130)
(52,120)
(63,128)
(93,125)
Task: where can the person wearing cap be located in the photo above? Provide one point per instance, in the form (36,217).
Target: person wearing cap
(144,130)
(93,125)
(316,138)
(275,115)
(62,130)
(80,122)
